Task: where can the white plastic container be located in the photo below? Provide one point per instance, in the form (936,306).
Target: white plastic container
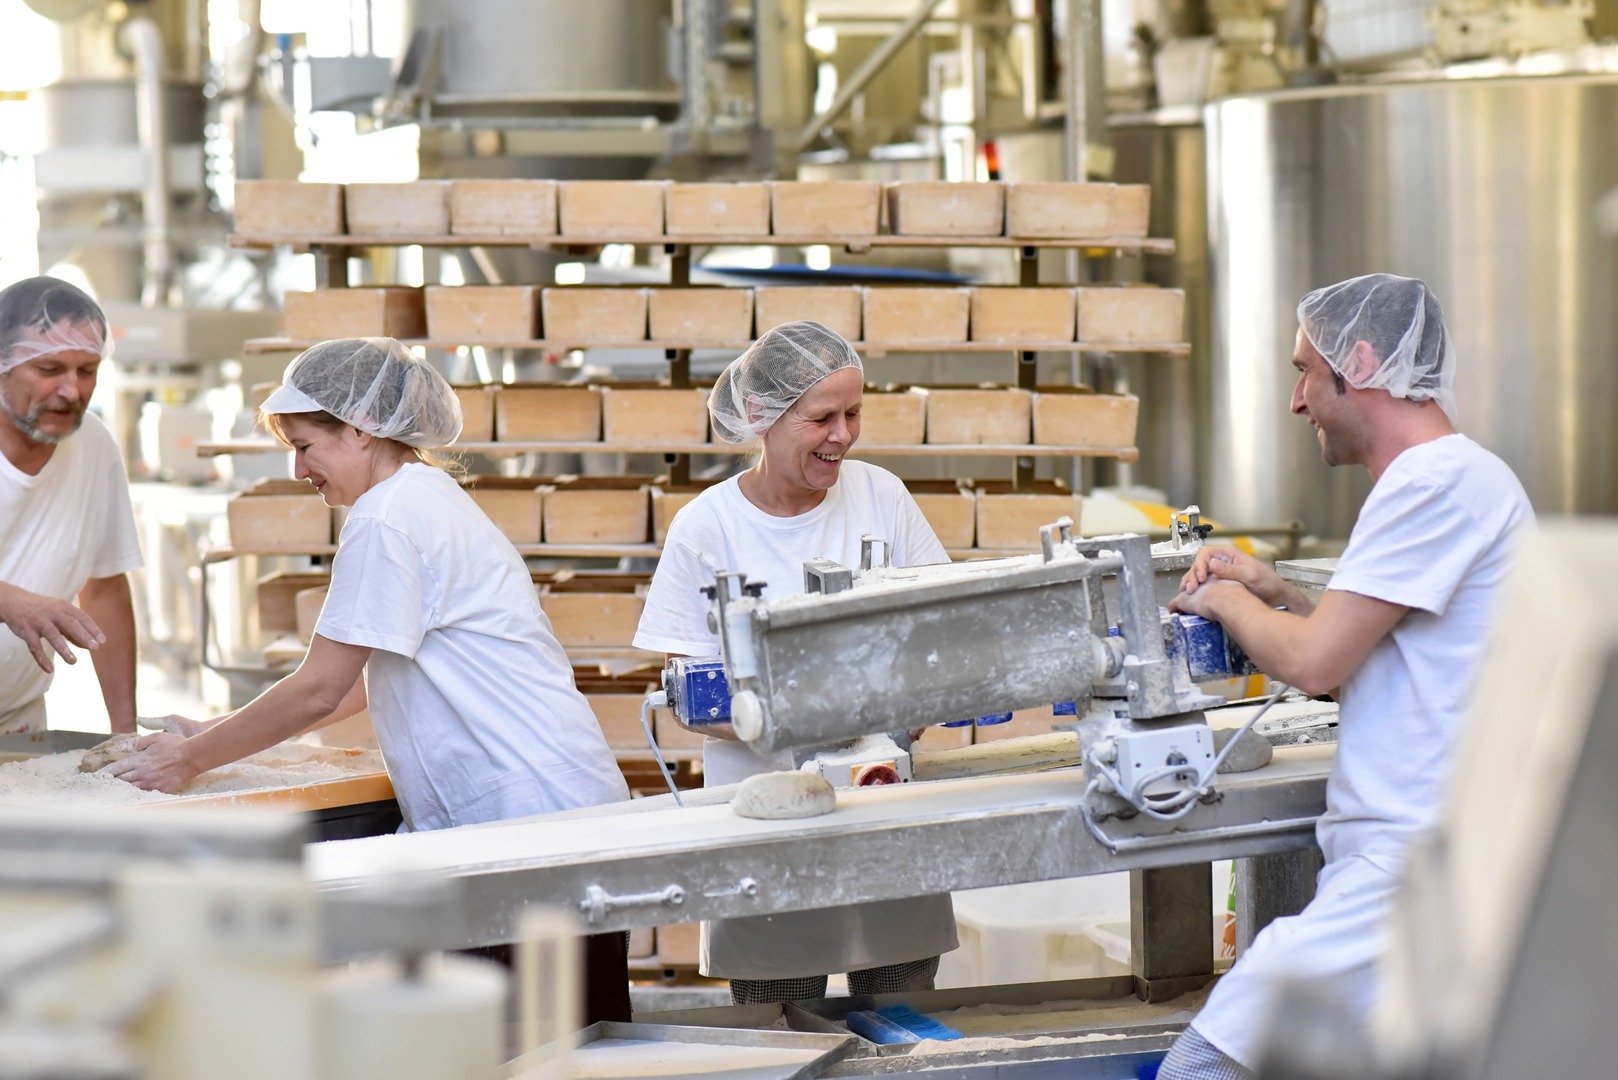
(1046,931)
(1039,932)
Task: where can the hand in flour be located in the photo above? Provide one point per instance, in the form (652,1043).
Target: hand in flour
(159,763)
(45,623)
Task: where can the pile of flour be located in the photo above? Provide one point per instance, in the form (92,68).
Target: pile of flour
(55,780)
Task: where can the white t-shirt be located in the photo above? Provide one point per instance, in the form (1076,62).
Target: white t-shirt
(1436,535)
(59,529)
(472,697)
(720,529)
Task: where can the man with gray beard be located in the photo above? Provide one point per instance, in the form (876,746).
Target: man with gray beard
(66,526)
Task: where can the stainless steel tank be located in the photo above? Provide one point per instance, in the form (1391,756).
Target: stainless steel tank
(549,56)
(1483,188)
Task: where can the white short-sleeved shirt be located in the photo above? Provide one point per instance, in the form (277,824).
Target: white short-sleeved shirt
(1436,535)
(720,529)
(70,523)
(472,697)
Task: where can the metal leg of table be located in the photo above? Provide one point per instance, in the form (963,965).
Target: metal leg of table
(1171,930)
(1269,887)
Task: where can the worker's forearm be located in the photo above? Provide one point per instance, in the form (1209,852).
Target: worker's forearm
(1277,641)
(107,601)
(1295,600)
(286,709)
(353,701)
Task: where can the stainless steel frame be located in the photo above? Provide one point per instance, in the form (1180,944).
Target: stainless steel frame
(648,863)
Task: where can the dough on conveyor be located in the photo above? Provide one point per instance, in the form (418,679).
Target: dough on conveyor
(781,795)
(1252,750)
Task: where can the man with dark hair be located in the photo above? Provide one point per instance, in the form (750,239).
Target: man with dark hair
(1396,638)
(66,526)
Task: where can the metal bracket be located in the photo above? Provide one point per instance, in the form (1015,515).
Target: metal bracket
(826,576)
(745,887)
(867,548)
(598,902)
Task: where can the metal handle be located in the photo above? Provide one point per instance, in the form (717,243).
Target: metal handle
(1060,531)
(745,887)
(598,902)
(867,544)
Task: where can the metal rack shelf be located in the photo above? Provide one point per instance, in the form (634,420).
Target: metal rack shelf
(1148,245)
(868,348)
(546,551)
(513,449)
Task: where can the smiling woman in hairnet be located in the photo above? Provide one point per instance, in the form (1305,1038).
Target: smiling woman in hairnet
(431,618)
(796,392)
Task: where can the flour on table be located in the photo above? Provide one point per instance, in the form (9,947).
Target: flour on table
(54,779)
(974,1046)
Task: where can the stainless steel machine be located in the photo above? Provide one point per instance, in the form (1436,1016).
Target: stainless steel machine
(877,649)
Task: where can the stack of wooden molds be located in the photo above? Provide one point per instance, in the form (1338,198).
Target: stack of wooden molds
(605,211)
(892,317)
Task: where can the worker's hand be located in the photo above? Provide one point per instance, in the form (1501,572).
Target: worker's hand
(1238,567)
(159,763)
(45,623)
(1203,601)
(174,724)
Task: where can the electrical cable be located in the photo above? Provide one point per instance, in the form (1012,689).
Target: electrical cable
(658,699)
(1175,806)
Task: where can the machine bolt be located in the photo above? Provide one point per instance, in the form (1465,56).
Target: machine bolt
(792,684)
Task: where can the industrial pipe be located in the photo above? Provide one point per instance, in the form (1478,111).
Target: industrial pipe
(145,41)
(867,71)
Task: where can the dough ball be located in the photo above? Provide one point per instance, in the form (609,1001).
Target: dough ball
(107,751)
(780,795)
(1252,750)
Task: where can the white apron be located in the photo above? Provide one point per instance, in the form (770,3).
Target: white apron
(1337,938)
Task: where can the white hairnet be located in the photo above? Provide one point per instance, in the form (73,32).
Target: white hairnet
(40,316)
(766,380)
(376,385)
(1401,320)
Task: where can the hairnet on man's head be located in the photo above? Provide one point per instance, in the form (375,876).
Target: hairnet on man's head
(375,384)
(768,379)
(44,315)
(1399,318)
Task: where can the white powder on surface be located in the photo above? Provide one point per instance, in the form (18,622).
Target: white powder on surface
(977,1046)
(624,1058)
(1049,1016)
(54,779)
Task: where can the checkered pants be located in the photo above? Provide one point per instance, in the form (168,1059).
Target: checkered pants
(1194,1058)
(889,979)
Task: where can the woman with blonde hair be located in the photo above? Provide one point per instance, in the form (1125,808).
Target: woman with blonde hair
(796,394)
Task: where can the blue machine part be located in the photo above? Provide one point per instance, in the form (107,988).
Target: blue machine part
(1207,652)
(697,689)
(994,718)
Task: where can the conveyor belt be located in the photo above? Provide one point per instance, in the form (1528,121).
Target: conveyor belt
(881,843)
